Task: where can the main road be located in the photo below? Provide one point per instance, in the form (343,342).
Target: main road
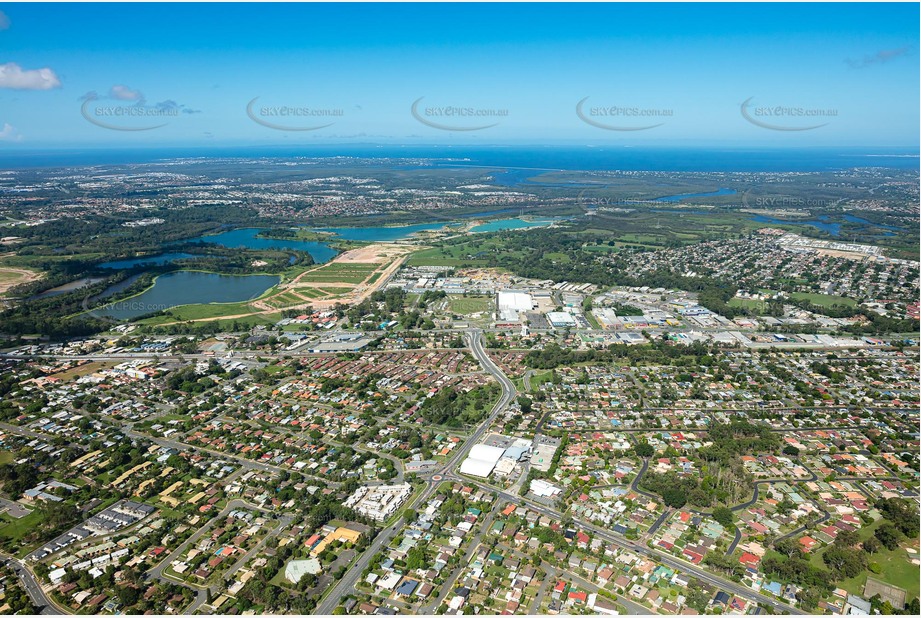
(447,472)
(346,585)
(44,603)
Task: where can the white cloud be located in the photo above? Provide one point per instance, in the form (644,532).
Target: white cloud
(4,21)
(9,133)
(120,92)
(13,76)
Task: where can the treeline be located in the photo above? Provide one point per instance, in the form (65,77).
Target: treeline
(736,438)
(552,356)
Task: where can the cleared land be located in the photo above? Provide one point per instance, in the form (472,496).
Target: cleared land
(10,277)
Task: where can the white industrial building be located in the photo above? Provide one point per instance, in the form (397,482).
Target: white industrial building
(561,319)
(481,460)
(510,304)
(543,489)
(518,301)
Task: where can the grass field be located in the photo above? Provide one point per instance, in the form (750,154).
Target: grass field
(470,253)
(540,378)
(896,568)
(470,304)
(82,370)
(592,320)
(375,277)
(435,257)
(283,300)
(824,300)
(17,528)
(5,457)
(211,310)
(216,312)
(341,272)
(748,303)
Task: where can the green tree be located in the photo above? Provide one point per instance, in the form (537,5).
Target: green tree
(644,449)
(724,516)
(888,535)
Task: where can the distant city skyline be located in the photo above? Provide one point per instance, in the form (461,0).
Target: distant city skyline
(771,75)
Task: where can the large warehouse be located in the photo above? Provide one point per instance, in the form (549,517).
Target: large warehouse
(510,304)
(517,301)
(481,460)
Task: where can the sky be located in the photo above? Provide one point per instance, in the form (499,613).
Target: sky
(126,75)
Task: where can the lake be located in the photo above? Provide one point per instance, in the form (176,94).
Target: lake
(834,229)
(248,238)
(68,287)
(509,224)
(186,287)
(890,228)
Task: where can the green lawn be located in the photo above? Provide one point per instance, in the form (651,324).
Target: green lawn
(592,320)
(17,528)
(433,257)
(472,253)
(747,303)
(5,457)
(341,272)
(470,304)
(896,568)
(210,310)
(824,300)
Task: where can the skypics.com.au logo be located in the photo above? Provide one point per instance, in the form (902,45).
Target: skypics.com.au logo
(125,109)
(291,117)
(455,117)
(785,117)
(621,118)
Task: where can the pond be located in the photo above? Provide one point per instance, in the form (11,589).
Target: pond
(509,224)
(185,287)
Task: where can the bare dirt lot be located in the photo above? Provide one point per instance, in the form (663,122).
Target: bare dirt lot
(374,254)
(10,277)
